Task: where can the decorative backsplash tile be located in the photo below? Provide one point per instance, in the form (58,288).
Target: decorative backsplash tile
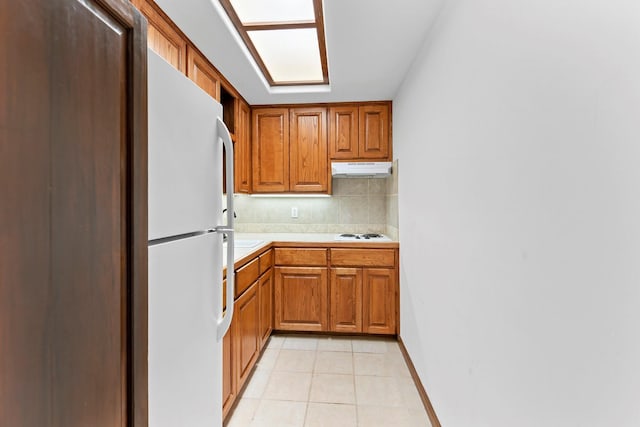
(356,206)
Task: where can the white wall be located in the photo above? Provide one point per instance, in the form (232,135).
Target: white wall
(518,135)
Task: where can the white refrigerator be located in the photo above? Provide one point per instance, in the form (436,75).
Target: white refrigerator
(186,320)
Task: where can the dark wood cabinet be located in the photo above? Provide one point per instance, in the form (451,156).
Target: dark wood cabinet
(308,171)
(73,179)
(301,298)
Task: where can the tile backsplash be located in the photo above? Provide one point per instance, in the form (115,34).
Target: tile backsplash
(357,206)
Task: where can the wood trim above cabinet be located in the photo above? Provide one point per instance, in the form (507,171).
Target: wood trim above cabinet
(202,73)
(163,36)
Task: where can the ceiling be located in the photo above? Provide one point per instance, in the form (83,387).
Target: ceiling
(370,46)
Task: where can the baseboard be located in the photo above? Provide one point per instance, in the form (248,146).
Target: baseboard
(416,379)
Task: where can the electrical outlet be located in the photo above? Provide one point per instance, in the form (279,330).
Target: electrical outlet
(294,212)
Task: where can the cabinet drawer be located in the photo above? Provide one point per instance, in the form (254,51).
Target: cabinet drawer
(301,256)
(246,275)
(363,257)
(266,261)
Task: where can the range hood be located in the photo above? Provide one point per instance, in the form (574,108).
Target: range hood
(360,169)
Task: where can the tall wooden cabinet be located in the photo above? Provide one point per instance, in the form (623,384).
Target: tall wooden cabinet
(242,148)
(270,150)
(308,170)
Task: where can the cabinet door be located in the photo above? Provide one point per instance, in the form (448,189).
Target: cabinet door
(379,301)
(308,143)
(229,389)
(270,150)
(266,307)
(343,132)
(247,312)
(301,298)
(162,37)
(73,174)
(373,136)
(202,73)
(242,147)
(345,300)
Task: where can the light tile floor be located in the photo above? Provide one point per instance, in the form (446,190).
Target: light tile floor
(321,381)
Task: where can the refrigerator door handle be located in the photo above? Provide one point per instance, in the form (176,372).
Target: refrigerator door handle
(225,320)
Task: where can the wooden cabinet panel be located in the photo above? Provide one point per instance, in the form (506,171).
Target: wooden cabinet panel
(247,312)
(266,307)
(379,301)
(301,257)
(73,168)
(162,37)
(373,138)
(345,300)
(301,298)
(202,73)
(363,257)
(229,390)
(343,132)
(266,261)
(242,148)
(246,275)
(270,146)
(308,170)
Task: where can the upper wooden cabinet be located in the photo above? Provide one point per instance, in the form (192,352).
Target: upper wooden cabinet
(270,150)
(202,73)
(308,170)
(290,150)
(360,132)
(242,148)
(162,37)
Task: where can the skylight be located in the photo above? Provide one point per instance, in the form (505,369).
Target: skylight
(285,37)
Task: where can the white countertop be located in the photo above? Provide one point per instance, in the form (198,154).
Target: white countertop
(267,238)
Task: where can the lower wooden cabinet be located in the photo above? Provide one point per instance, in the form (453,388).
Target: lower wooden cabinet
(229,389)
(266,306)
(301,298)
(363,300)
(247,311)
(379,301)
(345,300)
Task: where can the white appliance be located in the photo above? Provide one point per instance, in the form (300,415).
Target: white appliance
(360,169)
(186,321)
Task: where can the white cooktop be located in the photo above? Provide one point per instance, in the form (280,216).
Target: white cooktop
(366,237)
